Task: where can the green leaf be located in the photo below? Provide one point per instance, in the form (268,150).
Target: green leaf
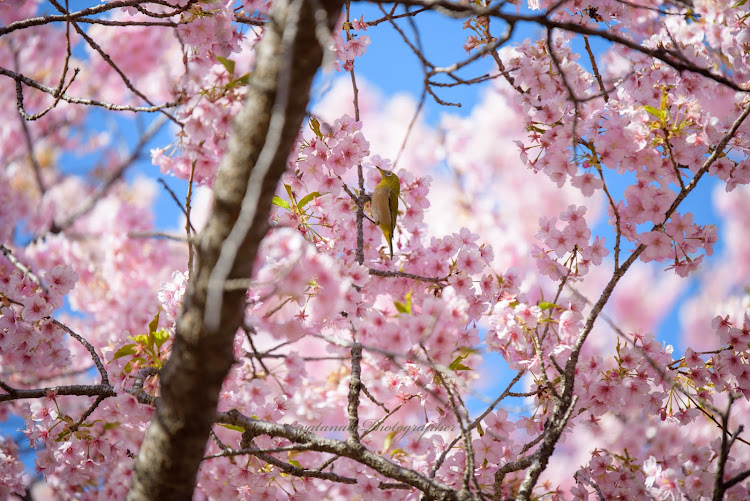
(294,462)
(315,127)
(289,192)
(128,349)
(456,365)
(160,337)
(227,63)
(154,323)
(232,427)
(307,199)
(663,105)
(388,440)
(141,339)
(532,128)
(244,79)
(660,114)
(739,4)
(280,202)
(404,307)
(546,305)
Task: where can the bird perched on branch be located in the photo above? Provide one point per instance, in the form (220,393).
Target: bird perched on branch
(384,204)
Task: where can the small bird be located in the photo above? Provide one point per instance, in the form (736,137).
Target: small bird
(384,204)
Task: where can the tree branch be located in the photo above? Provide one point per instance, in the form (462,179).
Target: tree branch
(354,451)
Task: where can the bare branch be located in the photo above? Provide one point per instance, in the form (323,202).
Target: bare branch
(103,390)
(356,452)
(726,444)
(355,383)
(402,274)
(184,210)
(595,69)
(19,78)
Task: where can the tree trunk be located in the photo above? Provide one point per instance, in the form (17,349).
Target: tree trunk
(288,57)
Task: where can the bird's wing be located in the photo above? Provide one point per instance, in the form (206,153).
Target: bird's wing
(393,206)
(379,201)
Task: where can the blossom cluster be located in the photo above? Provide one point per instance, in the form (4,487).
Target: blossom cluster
(664,399)
(29,338)
(11,469)
(348,46)
(654,124)
(569,245)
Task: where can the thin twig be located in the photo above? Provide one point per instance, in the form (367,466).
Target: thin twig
(94,356)
(74,427)
(179,204)
(23,268)
(595,68)
(188,223)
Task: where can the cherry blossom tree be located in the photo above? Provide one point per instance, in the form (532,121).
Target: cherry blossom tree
(270,349)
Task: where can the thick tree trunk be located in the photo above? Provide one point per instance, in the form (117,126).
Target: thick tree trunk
(288,57)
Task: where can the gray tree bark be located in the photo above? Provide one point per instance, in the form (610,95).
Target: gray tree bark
(288,57)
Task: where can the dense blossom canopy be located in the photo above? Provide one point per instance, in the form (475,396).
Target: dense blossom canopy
(543,231)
